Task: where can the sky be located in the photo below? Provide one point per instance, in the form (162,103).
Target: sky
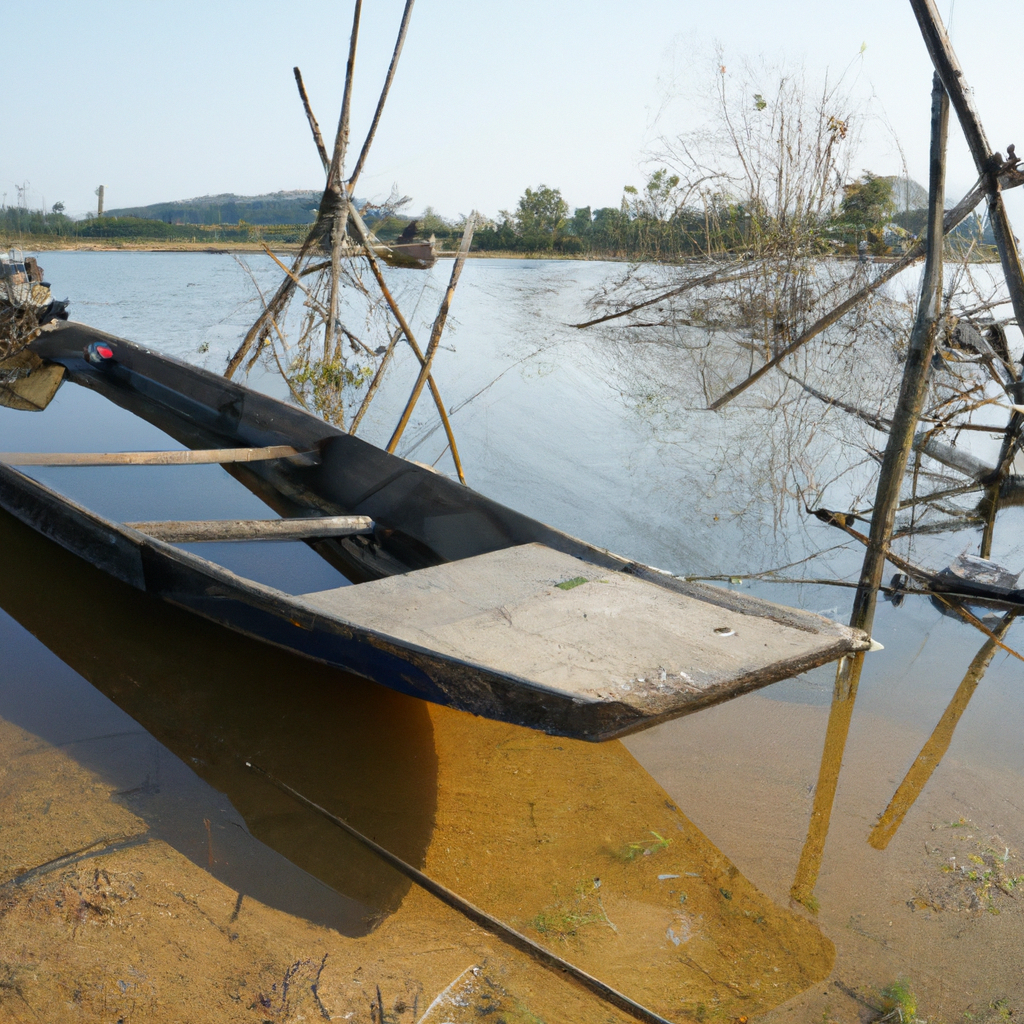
(161,101)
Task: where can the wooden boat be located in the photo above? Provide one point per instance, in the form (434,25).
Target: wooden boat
(455,598)
(411,255)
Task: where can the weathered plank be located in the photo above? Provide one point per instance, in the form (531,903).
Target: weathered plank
(574,627)
(188,457)
(186,532)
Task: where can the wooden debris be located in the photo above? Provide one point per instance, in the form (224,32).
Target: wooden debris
(27,383)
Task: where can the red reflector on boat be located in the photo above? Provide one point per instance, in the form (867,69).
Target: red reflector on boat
(98,353)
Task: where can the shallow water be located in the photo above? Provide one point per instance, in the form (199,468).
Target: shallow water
(604,439)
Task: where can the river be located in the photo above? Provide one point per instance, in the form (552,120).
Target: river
(663,864)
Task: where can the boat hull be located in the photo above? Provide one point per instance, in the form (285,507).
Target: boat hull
(425,525)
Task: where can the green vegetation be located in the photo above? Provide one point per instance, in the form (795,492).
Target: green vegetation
(654,222)
(633,850)
(16,221)
(576,581)
(565,919)
(899,1002)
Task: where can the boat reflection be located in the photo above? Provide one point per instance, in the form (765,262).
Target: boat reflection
(216,699)
(571,843)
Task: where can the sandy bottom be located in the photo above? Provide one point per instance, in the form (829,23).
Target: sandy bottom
(101,921)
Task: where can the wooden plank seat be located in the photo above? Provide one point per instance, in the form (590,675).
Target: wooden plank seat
(193,531)
(535,614)
(187,457)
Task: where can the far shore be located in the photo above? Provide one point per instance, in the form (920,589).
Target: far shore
(44,243)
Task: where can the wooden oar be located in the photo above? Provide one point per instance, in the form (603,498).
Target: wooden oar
(188,457)
(255,529)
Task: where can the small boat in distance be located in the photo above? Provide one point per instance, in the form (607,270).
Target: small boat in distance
(411,255)
(454,598)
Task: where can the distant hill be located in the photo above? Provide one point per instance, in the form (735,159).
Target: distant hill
(297,206)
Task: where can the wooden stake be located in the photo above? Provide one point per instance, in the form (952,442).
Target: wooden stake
(990,165)
(894,464)
(335,189)
(915,375)
(435,333)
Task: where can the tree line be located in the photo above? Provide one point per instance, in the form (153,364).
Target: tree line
(653,222)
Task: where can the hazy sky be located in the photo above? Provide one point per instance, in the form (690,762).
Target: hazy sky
(163,101)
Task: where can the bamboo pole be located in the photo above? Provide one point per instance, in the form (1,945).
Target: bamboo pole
(337,191)
(280,299)
(937,744)
(376,382)
(479,917)
(990,165)
(952,219)
(435,333)
(844,696)
(217,530)
(399,43)
(894,464)
(341,136)
(284,344)
(313,125)
(913,388)
(295,280)
(270,311)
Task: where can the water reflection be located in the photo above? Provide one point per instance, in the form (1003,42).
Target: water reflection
(938,743)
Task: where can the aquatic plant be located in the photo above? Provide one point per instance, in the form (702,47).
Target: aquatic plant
(898,1002)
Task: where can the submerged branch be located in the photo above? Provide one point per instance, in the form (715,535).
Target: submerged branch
(951,220)
(697,282)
